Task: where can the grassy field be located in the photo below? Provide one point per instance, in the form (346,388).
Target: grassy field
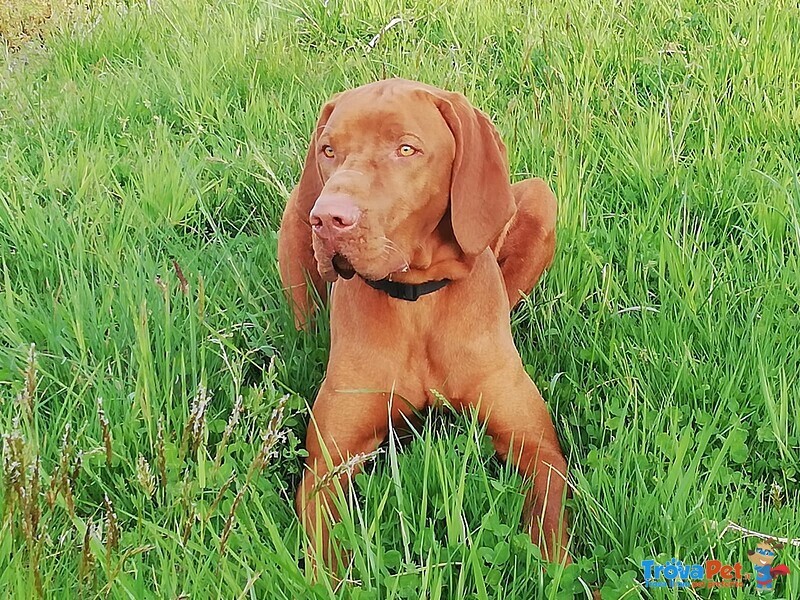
(154,394)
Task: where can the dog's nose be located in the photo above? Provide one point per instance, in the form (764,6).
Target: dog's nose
(333,215)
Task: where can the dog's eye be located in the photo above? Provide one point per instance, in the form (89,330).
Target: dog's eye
(406,150)
(328,152)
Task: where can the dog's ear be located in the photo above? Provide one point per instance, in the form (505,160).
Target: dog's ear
(481,200)
(298,269)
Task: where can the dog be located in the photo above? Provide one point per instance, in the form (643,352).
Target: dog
(405,206)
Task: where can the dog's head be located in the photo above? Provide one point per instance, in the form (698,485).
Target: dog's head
(392,165)
(764,553)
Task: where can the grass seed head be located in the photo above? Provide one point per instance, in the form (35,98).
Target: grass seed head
(87,557)
(181,277)
(271,438)
(145,476)
(112,527)
(188,525)
(194,429)
(106,428)
(347,467)
(33,511)
(13,465)
(77,463)
(226,531)
(776,494)
(22,473)
(63,475)
(233,420)
(220,494)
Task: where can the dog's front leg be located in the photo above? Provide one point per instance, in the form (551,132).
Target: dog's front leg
(522,432)
(344,427)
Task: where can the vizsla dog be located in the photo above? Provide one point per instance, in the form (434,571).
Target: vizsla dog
(405,203)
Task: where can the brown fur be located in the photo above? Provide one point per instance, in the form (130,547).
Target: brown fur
(448,211)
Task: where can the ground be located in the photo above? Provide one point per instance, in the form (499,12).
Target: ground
(147,152)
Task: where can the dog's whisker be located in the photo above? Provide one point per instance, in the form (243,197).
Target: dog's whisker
(390,245)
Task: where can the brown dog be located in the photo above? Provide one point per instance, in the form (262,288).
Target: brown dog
(405,202)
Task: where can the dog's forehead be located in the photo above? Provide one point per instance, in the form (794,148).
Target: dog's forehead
(394,87)
(386,109)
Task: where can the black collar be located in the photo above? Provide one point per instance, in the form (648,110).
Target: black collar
(407,291)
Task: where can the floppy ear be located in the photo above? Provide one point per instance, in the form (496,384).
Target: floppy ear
(296,261)
(481,200)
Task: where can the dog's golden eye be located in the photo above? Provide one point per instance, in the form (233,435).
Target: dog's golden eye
(406,150)
(328,151)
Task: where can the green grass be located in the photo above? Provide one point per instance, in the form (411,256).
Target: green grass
(665,338)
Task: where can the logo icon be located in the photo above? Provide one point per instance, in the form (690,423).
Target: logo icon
(762,558)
